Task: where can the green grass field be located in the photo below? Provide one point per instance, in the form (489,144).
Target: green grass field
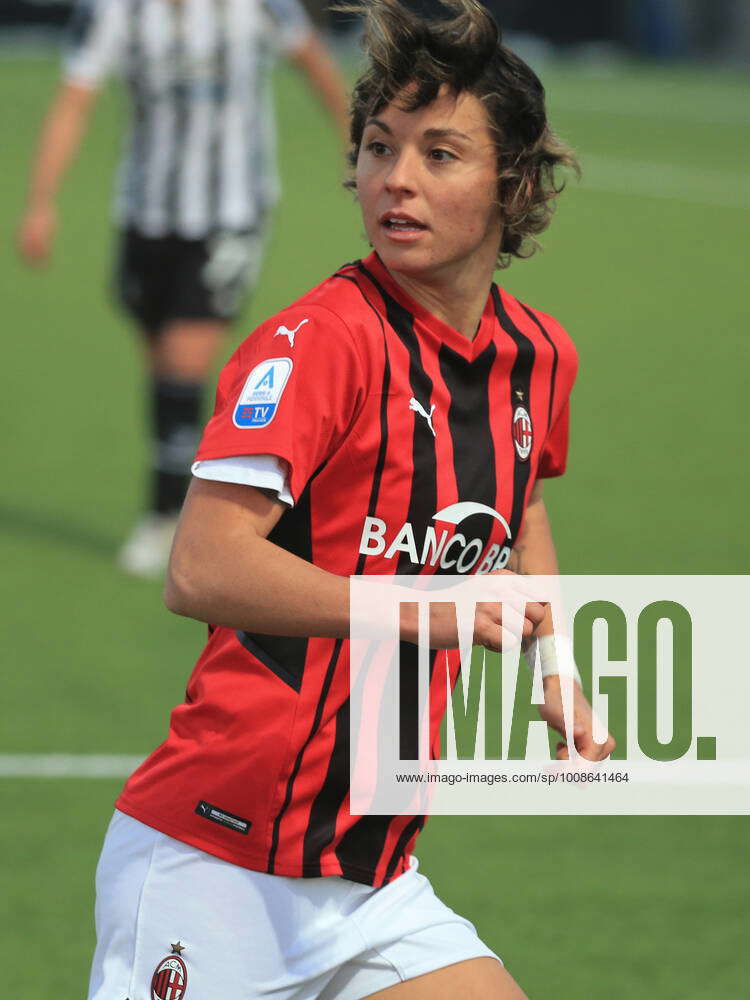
(645,265)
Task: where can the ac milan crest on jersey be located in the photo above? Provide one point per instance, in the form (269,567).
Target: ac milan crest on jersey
(169,981)
(522,434)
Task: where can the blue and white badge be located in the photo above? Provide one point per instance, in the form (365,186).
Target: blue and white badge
(261,393)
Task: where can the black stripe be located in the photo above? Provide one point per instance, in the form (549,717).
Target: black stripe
(414,825)
(363,843)
(471,434)
(220,99)
(134,62)
(327,681)
(408,698)
(286,655)
(383,447)
(256,159)
(423,498)
(553,376)
(321,827)
(275,651)
(327,805)
(293,530)
(179,98)
(408,701)
(135,194)
(520,394)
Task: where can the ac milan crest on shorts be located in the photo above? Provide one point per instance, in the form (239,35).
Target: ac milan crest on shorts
(169,981)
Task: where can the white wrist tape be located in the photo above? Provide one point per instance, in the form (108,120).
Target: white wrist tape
(555,656)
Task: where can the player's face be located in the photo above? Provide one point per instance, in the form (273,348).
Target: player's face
(427,186)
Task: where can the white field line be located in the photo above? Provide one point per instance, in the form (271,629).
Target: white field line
(60,765)
(720,188)
(67,765)
(705,109)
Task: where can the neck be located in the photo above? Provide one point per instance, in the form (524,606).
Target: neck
(457,299)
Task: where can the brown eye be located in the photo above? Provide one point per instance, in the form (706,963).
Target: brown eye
(441,155)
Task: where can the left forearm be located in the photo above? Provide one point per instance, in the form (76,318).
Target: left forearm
(534,553)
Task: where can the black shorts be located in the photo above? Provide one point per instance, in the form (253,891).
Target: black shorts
(162,279)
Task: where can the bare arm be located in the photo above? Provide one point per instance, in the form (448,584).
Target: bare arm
(223,570)
(316,62)
(59,140)
(534,554)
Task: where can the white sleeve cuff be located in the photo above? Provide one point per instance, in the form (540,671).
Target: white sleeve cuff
(266,472)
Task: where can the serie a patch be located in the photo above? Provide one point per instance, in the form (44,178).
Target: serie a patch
(261,393)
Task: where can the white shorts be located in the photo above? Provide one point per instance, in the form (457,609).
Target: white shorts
(175,923)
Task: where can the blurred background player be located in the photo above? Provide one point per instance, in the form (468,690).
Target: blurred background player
(195,188)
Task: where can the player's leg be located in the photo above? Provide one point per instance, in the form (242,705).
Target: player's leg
(417,948)
(142,285)
(186,349)
(474,979)
(181,359)
(193,293)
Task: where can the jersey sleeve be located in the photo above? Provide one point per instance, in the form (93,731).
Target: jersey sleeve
(97,34)
(554,456)
(289,23)
(292,390)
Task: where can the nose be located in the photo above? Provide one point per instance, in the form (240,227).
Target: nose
(402,175)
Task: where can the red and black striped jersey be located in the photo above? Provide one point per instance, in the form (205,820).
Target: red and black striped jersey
(410,450)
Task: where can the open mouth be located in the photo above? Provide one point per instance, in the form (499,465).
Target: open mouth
(402,224)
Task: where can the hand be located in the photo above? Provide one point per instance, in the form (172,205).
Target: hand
(36,234)
(490,629)
(583,722)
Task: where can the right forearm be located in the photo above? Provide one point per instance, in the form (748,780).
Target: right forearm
(262,588)
(224,570)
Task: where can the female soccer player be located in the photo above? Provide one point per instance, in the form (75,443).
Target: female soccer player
(196,187)
(347,428)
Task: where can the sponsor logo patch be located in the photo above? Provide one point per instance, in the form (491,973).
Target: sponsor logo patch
(169,981)
(522,433)
(445,551)
(261,393)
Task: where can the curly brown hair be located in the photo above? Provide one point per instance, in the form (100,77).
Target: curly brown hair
(411,58)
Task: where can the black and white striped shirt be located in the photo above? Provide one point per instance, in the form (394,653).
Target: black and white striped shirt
(201,153)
